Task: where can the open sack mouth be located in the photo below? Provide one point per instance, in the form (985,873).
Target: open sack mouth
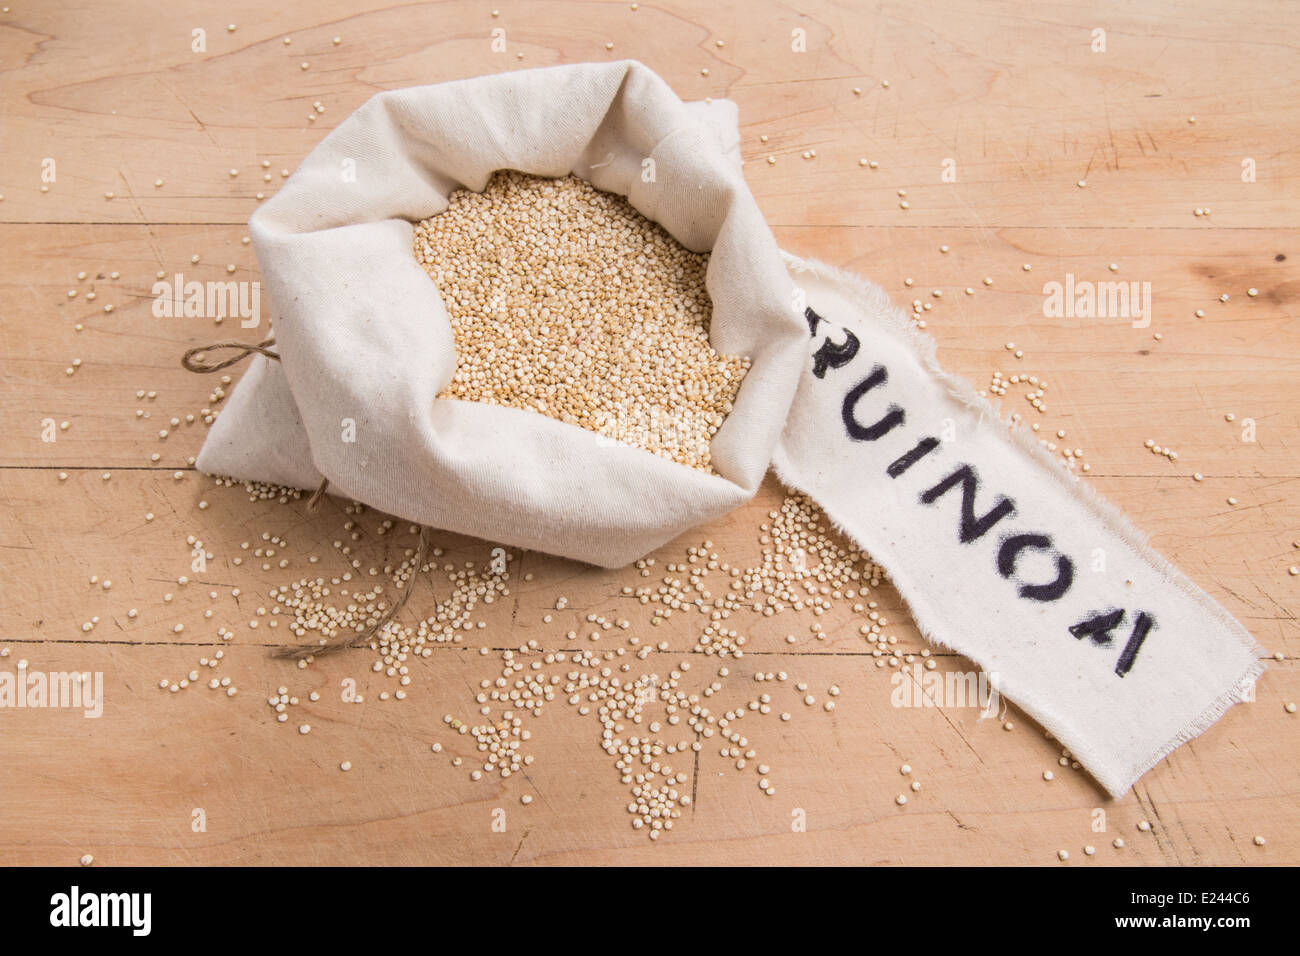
(567,302)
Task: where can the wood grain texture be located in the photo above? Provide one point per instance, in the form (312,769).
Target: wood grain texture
(1014,96)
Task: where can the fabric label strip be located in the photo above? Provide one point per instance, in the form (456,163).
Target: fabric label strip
(1000,552)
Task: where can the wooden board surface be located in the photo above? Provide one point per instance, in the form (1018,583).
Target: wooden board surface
(1014,99)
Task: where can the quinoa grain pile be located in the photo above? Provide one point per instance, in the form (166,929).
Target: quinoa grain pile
(565,301)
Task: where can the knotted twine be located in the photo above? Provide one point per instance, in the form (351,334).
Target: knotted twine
(191,362)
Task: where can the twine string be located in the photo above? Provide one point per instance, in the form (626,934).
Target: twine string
(300,651)
(191,363)
(317,496)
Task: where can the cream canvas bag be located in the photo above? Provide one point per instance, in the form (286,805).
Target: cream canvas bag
(985,536)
